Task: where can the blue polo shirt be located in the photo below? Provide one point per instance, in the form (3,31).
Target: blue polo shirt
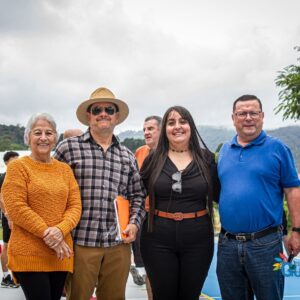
(252,181)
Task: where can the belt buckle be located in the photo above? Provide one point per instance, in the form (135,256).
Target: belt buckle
(240,238)
(178,216)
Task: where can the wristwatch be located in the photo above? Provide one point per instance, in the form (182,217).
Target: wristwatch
(296,229)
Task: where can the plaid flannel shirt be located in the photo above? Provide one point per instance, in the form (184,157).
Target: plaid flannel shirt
(101,177)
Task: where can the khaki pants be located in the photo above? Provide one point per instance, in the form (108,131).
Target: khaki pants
(108,268)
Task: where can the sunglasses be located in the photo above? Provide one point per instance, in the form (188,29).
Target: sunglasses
(96,110)
(177,186)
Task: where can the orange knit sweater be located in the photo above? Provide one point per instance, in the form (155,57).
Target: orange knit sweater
(37,196)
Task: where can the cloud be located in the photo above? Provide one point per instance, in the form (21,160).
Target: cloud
(25,18)
(198,54)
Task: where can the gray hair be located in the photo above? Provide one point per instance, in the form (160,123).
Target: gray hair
(33,119)
(156,118)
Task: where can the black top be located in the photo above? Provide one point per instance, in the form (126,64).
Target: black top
(194,189)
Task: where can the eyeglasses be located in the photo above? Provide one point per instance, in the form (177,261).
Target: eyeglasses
(243,114)
(96,110)
(177,186)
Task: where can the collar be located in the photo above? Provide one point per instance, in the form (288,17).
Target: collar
(257,141)
(87,137)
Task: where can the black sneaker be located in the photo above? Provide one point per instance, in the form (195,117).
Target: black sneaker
(137,278)
(7,282)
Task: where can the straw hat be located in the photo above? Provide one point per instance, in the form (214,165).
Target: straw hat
(102,94)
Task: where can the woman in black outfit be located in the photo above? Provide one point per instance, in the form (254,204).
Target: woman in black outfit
(177,239)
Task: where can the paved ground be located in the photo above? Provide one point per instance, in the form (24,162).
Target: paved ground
(133,292)
(210,289)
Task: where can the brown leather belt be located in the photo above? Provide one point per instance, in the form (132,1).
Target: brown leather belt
(179,216)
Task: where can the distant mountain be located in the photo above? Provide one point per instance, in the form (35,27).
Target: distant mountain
(213,136)
(11,137)
(130,134)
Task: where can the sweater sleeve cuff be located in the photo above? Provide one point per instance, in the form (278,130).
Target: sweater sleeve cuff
(40,231)
(64,228)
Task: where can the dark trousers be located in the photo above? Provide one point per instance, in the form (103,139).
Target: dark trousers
(136,249)
(41,285)
(6,229)
(177,256)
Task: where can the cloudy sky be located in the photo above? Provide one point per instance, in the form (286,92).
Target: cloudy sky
(152,54)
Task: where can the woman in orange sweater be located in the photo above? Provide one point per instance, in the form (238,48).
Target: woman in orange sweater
(42,200)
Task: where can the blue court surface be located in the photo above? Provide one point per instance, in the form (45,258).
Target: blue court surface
(210,289)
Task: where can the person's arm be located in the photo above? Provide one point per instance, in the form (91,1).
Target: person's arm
(285,231)
(54,235)
(136,196)
(293,200)
(15,196)
(60,152)
(284,223)
(72,214)
(216,186)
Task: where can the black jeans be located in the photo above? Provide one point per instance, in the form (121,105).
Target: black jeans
(177,256)
(136,249)
(6,229)
(41,285)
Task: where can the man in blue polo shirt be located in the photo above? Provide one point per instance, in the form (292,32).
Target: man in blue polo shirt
(256,171)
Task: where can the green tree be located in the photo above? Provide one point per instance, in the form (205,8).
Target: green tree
(17,147)
(5,142)
(289,96)
(11,137)
(133,144)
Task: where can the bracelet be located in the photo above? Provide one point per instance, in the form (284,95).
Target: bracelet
(296,229)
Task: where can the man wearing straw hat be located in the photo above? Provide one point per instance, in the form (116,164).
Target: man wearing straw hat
(104,169)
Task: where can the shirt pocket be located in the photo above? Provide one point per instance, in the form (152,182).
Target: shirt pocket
(121,177)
